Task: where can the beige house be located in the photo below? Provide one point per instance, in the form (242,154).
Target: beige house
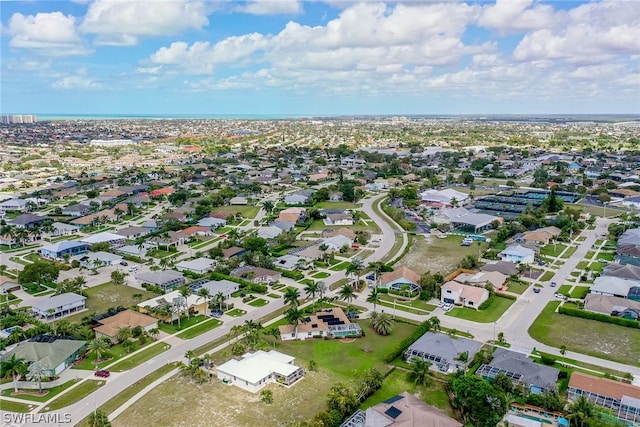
(110,326)
(465,295)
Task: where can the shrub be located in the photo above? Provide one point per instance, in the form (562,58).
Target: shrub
(599,317)
(295,275)
(422,329)
(547,360)
(487,303)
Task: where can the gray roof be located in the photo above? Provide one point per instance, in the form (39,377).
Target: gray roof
(45,303)
(159,277)
(26,219)
(630,237)
(51,355)
(518,251)
(607,304)
(532,373)
(63,245)
(613,285)
(623,271)
(196,264)
(225,286)
(445,346)
(504,267)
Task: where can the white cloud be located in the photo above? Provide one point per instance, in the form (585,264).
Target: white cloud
(52,34)
(121,22)
(76,82)
(509,16)
(271,7)
(149,70)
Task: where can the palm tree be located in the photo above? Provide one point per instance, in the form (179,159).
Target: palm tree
(14,367)
(184,293)
(382,323)
(164,262)
(294,317)
(219,299)
(291,297)
(189,355)
(419,373)
(204,293)
(154,332)
(98,346)
(322,289)
(98,418)
(435,323)
(236,330)
(124,334)
(311,290)
(374,298)
(464,358)
(346,293)
(355,268)
(581,410)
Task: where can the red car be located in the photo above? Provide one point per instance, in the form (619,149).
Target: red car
(102,373)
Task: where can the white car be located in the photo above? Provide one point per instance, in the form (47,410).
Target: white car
(134,268)
(447,307)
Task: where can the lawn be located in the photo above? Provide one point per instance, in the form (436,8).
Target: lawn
(517,287)
(274,296)
(53,392)
(258,302)
(589,255)
(397,382)
(596,266)
(607,256)
(113,354)
(246,211)
(339,267)
(8,405)
(102,297)
(553,250)
(437,255)
(416,303)
(565,289)
(185,322)
(490,314)
(569,252)
(201,328)
(398,307)
(321,275)
(236,312)
(580,292)
(548,275)
(598,339)
(82,390)
(336,205)
(140,357)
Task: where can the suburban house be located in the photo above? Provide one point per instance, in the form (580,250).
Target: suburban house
(63,248)
(518,254)
(192,302)
(332,322)
(256,274)
(613,306)
(443,351)
(159,192)
(212,222)
(542,235)
(270,232)
(109,326)
(400,280)
(337,242)
(443,198)
(76,210)
(521,370)
(255,370)
(28,220)
(347,232)
(233,251)
(114,240)
(482,278)
(293,215)
(132,233)
(623,399)
(352,163)
(226,287)
(468,296)
(62,229)
(199,265)
(8,285)
(507,268)
(197,230)
(100,259)
(55,354)
(628,249)
(172,238)
(302,197)
(404,409)
(56,306)
(165,279)
(616,287)
(338,219)
(13,205)
(462,218)
(623,271)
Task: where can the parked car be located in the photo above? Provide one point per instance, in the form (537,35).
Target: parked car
(102,373)
(134,268)
(553,284)
(536,290)
(124,263)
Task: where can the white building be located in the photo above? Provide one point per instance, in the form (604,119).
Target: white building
(198,265)
(48,308)
(255,370)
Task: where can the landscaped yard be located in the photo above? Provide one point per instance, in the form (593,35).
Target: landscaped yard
(553,250)
(102,297)
(77,393)
(517,287)
(201,328)
(113,354)
(321,275)
(599,339)
(52,392)
(607,256)
(336,205)
(564,289)
(580,292)
(185,322)
(259,302)
(490,314)
(141,357)
(339,267)
(437,255)
(236,312)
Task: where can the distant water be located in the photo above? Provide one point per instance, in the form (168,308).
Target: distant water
(58,117)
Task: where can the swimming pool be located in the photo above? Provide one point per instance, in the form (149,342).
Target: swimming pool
(534,418)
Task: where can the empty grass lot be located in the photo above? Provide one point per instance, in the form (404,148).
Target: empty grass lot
(102,297)
(599,339)
(517,287)
(72,396)
(490,314)
(8,405)
(113,354)
(246,211)
(437,255)
(336,205)
(140,357)
(200,328)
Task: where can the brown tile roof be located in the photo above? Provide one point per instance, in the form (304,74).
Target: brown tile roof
(111,325)
(340,232)
(402,272)
(603,386)
(229,252)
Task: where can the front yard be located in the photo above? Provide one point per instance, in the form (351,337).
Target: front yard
(488,315)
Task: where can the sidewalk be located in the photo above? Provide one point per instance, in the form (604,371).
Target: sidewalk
(65,376)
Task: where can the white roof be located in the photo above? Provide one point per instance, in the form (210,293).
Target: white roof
(613,285)
(102,237)
(45,303)
(196,264)
(168,299)
(269,232)
(518,251)
(253,367)
(338,241)
(445,195)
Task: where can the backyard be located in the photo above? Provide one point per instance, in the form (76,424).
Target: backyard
(599,339)
(437,255)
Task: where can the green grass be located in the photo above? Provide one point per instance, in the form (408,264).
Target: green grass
(140,357)
(553,250)
(53,392)
(321,275)
(201,328)
(400,309)
(580,292)
(102,297)
(416,303)
(258,302)
(8,405)
(274,296)
(598,339)
(607,256)
(246,211)
(336,205)
(338,284)
(565,289)
(517,287)
(341,266)
(596,266)
(589,255)
(490,314)
(185,322)
(569,252)
(582,265)
(236,312)
(548,275)
(75,394)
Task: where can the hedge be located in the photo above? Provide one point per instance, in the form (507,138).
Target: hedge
(487,303)
(599,317)
(295,275)
(422,329)
(507,296)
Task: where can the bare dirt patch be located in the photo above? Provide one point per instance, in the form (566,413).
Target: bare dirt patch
(428,253)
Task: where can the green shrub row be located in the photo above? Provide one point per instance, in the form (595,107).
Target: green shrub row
(422,329)
(599,317)
(295,275)
(507,296)
(487,303)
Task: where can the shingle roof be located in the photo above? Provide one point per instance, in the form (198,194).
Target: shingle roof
(402,272)
(111,325)
(50,354)
(603,386)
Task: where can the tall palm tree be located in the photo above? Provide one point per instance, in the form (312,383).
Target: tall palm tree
(374,298)
(219,299)
(98,346)
(189,355)
(204,293)
(184,293)
(124,334)
(37,372)
(322,289)
(15,367)
(294,317)
(355,267)
(291,297)
(581,410)
(434,322)
(347,293)
(419,373)
(311,290)
(382,323)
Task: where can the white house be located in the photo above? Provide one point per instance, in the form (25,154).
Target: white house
(335,243)
(468,296)
(114,240)
(270,232)
(48,308)
(255,370)
(518,254)
(199,265)
(338,219)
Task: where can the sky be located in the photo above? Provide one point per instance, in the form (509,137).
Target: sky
(319,58)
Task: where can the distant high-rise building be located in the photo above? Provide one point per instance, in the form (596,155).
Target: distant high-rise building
(18,118)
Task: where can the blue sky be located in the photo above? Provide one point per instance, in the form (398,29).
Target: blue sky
(333,57)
